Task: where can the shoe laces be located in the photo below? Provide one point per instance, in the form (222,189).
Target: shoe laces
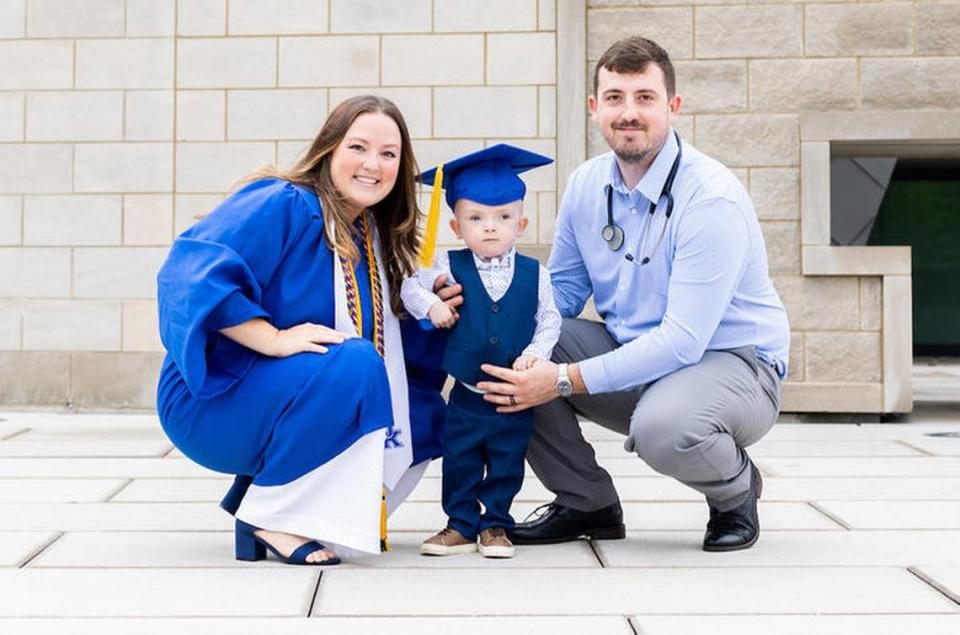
(496,532)
(540,512)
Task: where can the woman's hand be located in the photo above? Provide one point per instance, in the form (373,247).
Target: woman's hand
(305,338)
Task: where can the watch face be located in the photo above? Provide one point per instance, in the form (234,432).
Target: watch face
(565,387)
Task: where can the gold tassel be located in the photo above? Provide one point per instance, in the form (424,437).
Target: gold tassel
(384,545)
(433,221)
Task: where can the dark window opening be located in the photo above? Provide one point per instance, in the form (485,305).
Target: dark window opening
(914,202)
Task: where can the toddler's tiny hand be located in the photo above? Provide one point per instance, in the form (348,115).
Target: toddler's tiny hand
(524,362)
(441,316)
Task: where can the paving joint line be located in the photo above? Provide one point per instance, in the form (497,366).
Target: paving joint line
(936,586)
(16,433)
(316,593)
(42,548)
(829,515)
(596,554)
(913,447)
(109,497)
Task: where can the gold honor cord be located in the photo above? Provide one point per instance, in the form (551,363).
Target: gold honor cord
(433,221)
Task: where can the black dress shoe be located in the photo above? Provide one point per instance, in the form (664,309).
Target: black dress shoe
(564,524)
(739,527)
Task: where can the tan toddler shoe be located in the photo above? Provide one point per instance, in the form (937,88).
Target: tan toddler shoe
(447,542)
(495,544)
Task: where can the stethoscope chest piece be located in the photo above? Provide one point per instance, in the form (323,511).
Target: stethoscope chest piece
(613,235)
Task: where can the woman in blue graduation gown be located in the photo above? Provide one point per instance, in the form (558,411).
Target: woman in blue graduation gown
(286,362)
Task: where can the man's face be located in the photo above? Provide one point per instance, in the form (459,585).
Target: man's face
(633,112)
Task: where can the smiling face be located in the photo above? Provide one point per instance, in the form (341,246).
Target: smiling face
(364,165)
(633,112)
(488,230)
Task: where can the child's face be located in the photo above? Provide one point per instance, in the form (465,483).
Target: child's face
(489,231)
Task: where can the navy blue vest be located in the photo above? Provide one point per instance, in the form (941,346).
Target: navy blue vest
(490,332)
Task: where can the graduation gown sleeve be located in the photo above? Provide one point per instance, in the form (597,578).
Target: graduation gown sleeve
(214,278)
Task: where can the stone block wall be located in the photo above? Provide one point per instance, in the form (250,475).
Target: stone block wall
(747,70)
(121,120)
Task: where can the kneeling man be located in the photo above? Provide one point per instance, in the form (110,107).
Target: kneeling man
(694,342)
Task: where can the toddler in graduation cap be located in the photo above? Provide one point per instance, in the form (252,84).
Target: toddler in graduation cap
(508,319)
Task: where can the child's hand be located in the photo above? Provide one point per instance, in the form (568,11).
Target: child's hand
(441,316)
(524,362)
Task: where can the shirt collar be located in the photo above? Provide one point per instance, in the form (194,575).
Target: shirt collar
(504,261)
(652,182)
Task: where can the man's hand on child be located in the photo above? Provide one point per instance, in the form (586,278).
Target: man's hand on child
(524,362)
(442,316)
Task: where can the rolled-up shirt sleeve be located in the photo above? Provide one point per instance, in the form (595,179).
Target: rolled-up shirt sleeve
(712,247)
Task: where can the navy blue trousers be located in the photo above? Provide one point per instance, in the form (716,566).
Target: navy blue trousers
(483,462)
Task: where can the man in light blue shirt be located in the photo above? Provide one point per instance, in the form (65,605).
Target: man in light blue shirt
(694,342)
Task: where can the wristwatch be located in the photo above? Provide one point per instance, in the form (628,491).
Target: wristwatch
(564,385)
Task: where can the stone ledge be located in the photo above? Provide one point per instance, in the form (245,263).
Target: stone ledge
(821,260)
(892,125)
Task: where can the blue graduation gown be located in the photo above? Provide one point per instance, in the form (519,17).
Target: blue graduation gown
(262,253)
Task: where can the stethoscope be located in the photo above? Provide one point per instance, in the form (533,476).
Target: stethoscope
(612,233)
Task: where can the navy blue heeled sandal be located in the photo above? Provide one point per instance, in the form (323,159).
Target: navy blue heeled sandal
(251,547)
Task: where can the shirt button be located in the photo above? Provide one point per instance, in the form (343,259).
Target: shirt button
(495,307)
(623,287)
(494,340)
(633,210)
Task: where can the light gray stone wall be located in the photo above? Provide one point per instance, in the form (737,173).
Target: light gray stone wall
(121,120)
(747,70)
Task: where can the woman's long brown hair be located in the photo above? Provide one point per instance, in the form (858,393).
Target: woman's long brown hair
(397,215)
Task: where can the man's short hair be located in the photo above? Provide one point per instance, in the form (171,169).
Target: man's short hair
(632,55)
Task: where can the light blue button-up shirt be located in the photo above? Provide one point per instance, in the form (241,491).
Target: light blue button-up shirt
(706,286)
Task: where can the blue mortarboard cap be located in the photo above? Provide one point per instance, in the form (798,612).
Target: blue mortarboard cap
(488,176)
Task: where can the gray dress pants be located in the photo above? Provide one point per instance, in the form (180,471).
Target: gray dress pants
(691,425)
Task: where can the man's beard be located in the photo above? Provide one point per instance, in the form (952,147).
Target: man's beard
(632,154)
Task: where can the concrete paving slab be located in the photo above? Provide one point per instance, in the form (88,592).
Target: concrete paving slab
(785,548)
(39,419)
(157,592)
(91,433)
(628,591)
(393,625)
(17,546)
(405,554)
(892,488)
(144,549)
(859,467)
(765,448)
(102,468)
(215,550)
(174,490)
(800,624)
(693,516)
(899,515)
(61,490)
(854,432)
(19,447)
(944,577)
(113,517)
